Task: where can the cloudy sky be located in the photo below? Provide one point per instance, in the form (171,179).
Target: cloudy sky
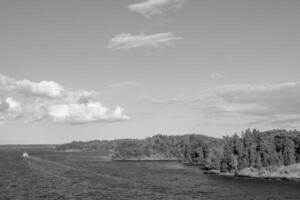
(83,70)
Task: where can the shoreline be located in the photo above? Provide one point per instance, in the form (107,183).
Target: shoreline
(275,173)
(257,174)
(145,159)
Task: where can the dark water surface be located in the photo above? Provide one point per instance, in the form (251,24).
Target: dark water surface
(49,175)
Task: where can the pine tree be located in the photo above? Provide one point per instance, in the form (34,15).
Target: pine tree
(288,151)
(258,163)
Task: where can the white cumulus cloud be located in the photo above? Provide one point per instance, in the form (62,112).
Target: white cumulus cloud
(44,89)
(84,113)
(10,109)
(156,7)
(126,41)
(48,89)
(50,100)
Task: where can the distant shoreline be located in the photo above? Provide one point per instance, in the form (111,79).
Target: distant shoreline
(146,159)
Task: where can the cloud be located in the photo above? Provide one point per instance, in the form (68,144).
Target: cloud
(80,96)
(126,41)
(50,100)
(84,113)
(278,121)
(216,75)
(43,89)
(124,84)
(156,7)
(275,104)
(265,99)
(168,101)
(3,105)
(10,109)
(48,89)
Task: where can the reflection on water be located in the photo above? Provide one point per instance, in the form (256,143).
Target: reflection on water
(90,176)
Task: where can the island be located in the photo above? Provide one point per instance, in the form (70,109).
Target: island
(273,154)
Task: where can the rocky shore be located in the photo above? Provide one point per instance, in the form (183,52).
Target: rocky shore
(290,172)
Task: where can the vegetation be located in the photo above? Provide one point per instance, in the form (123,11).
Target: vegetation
(253,149)
(260,149)
(187,148)
(291,172)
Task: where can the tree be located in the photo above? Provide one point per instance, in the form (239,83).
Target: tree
(214,157)
(233,162)
(258,163)
(288,151)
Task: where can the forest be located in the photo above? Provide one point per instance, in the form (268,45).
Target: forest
(252,148)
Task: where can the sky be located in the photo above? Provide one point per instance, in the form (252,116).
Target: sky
(85,70)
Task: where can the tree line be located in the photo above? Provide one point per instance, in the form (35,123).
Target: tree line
(260,149)
(230,153)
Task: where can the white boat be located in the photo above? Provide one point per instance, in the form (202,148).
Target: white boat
(25,155)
